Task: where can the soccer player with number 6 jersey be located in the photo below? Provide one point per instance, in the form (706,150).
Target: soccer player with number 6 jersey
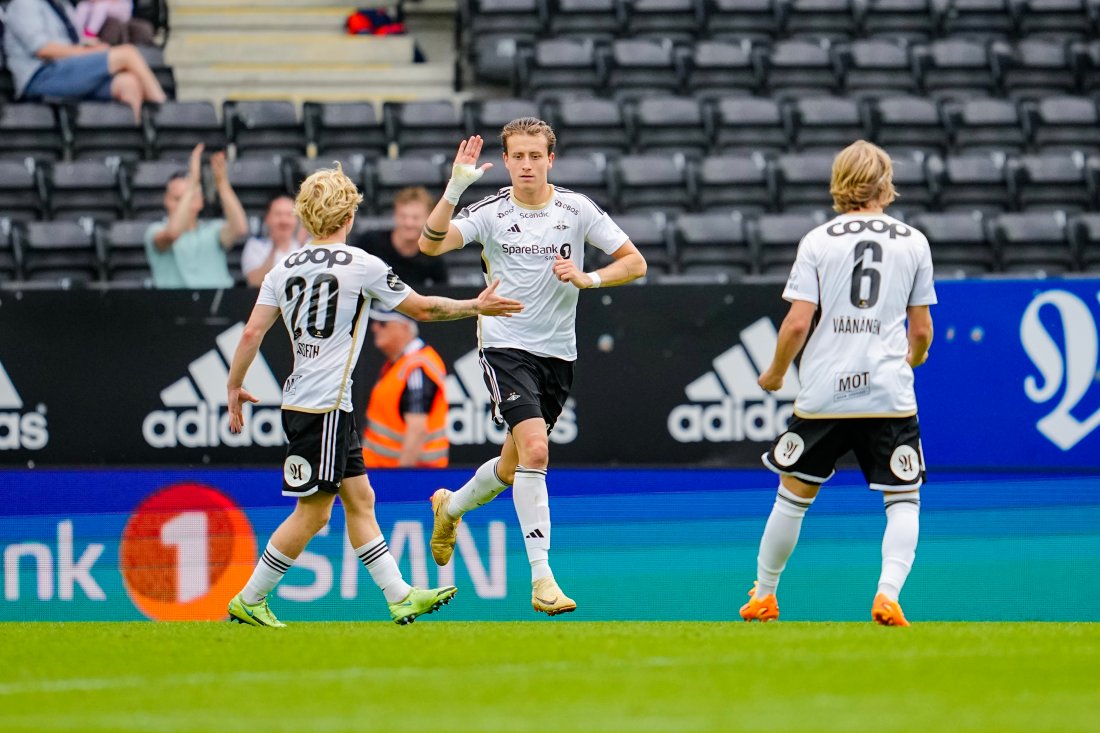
(863,276)
(323,293)
(533,238)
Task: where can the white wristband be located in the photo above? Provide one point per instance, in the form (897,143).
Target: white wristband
(597,281)
(463,175)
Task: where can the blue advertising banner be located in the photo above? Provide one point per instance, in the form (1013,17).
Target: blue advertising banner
(1013,378)
(627,544)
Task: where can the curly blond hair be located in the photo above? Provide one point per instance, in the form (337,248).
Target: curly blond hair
(529,126)
(326,200)
(862,175)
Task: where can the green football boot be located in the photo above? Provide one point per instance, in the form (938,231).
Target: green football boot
(255,615)
(419,602)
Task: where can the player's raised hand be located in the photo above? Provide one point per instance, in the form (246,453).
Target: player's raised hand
(464,172)
(237,397)
(566,271)
(491,304)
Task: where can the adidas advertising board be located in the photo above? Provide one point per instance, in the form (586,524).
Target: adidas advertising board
(20,428)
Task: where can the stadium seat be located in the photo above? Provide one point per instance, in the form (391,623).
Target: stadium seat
(344,129)
(735,181)
(972,181)
(264,128)
(1038,67)
(593,19)
(802,181)
(749,124)
(123,246)
(1053,181)
(985,19)
(590,125)
(87,188)
(145,183)
(1084,233)
(22,195)
(512,17)
(671,125)
(722,68)
(876,67)
(104,129)
(7,85)
(587,174)
(775,238)
(654,182)
(713,242)
(799,67)
(678,20)
(915,20)
(915,191)
(30,130)
(59,251)
(981,125)
(559,67)
(1055,18)
(424,128)
(958,68)
(639,66)
(1089,64)
(756,19)
(1064,123)
(178,126)
(824,123)
(494,57)
(832,19)
(256,181)
(386,177)
(1033,242)
(648,231)
(486,117)
(908,123)
(959,243)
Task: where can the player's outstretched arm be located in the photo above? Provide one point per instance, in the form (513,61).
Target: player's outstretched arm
(792,337)
(439,235)
(262,318)
(919,333)
(436,308)
(629,265)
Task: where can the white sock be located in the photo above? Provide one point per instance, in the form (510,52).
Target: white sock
(269,571)
(899,541)
(533,509)
(780,537)
(482,488)
(375,555)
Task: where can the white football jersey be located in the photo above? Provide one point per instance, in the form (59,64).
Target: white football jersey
(519,244)
(324,292)
(863,271)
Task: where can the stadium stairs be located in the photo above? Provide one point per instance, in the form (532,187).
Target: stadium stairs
(298,50)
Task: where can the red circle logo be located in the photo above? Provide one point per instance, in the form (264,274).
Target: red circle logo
(185,553)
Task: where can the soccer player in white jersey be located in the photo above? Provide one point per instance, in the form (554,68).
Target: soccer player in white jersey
(533,237)
(863,275)
(323,293)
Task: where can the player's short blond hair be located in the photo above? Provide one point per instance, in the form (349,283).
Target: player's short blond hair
(326,200)
(862,175)
(529,126)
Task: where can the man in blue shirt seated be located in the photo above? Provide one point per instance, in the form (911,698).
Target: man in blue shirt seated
(47,59)
(185,251)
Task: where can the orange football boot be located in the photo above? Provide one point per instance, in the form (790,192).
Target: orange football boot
(887,612)
(760,609)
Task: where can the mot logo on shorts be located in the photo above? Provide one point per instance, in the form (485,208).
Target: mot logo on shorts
(1068,362)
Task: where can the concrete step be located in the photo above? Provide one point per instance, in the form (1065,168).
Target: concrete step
(301,20)
(271,76)
(177,5)
(204,49)
(375,94)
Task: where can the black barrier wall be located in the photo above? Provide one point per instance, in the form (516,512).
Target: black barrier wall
(665,376)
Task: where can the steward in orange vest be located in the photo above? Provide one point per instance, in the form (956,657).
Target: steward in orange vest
(408,404)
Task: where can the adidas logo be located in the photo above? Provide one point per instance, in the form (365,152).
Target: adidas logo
(18,429)
(470,416)
(514,229)
(196,416)
(726,404)
(534,534)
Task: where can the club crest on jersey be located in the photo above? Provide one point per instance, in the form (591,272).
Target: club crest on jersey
(561,226)
(393,282)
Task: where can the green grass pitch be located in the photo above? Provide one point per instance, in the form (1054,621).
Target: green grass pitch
(549,676)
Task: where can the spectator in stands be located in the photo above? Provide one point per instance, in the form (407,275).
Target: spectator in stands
(407,413)
(399,247)
(113,22)
(185,251)
(284,235)
(48,58)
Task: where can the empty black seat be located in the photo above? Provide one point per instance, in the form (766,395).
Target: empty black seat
(559,66)
(1038,67)
(735,181)
(671,125)
(915,20)
(1064,123)
(265,128)
(591,125)
(959,242)
(721,68)
(775,238)
(424,128)
(9,263)
(640,66)
(679,20)
(123,247)
(648,230)
(972,181)
(87,188)
(758,19)
(597,19)
(1084,233)
(749,124)
(102,129)
(482,17)
(654,182)
(834,19)
(256,181)
(586,174)
(179,126)
(713,242)
(800,67)
(877,67)
(387,177)
(1054,181)
(978,18)
(494,56)
(30,130)
(986,125)
(916,191)
(146,183)
(1055,18)
(956,68)
(1033,242)
(802,181)
(825,123)
(912,123)
(344,129)
(487,117)
(59,251)
(21,191)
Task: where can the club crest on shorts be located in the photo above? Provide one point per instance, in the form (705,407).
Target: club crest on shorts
(297,471)
(905,463)
(788,449)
